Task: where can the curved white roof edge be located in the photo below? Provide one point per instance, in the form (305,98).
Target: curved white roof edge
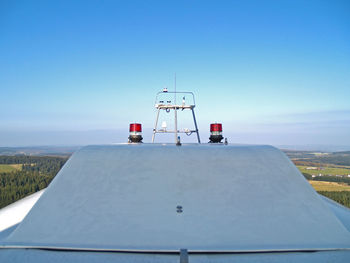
(265,195)
(14,213)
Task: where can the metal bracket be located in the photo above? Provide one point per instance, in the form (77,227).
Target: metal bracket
(183,256)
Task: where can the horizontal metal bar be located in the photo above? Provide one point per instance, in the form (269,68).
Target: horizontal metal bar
(173,251)
(192,131)
(171,106)
(176,92)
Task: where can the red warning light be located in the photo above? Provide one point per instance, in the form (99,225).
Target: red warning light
(135,130)
(135,127)
(215,133)
(216,127)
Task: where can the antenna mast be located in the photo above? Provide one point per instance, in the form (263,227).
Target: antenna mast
(164,102)
(175,112)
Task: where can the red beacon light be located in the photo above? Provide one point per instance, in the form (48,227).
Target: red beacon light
(215,133)
(135,132)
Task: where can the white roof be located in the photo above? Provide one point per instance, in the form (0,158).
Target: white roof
(234,198)
(14,213)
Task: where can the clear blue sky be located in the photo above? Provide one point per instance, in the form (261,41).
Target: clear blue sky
(77,72)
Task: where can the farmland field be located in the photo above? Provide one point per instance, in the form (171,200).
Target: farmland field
(325,170)
(6,168)
(329,186)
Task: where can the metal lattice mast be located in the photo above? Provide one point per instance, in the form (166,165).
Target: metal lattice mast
(168,106)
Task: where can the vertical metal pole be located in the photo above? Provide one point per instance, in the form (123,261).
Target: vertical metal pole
(195,124)
(175,113)
(175,124)
(155,126)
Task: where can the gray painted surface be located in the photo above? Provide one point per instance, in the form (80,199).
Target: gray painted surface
(5,233)
(341,212)
(14,213)
(38,256)
(234,198)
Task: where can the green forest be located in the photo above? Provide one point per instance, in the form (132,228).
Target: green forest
(342,197)
(35,173)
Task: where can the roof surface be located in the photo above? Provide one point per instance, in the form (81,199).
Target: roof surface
(14,213)
(231,198)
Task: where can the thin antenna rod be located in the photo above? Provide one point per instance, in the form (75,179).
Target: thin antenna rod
(175,111)
(175,89)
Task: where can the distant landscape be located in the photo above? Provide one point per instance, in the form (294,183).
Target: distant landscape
(22,175)
(26,170)
(39,150)
(328,172)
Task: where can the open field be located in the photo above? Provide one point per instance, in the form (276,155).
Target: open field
(325,170)
(329,186)
(6,168)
